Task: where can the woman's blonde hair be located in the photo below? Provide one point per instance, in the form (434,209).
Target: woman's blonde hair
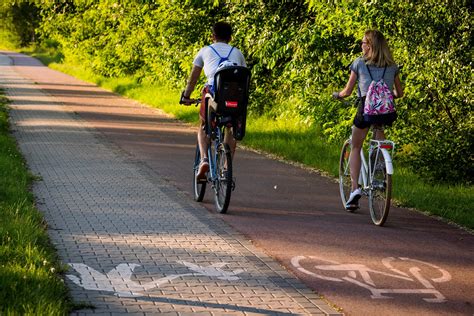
(379,54)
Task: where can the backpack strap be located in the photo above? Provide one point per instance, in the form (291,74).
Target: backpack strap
(230,52)
(215,51)
(370,74)
(222,58)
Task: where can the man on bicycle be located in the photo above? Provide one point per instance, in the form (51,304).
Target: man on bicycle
(209,58)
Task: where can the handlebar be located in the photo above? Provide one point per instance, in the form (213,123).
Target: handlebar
(191,101)
(350,102)
(335,95)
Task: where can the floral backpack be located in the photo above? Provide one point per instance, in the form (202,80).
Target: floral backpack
(379,99)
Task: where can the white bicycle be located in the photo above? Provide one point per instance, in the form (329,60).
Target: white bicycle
(375,177)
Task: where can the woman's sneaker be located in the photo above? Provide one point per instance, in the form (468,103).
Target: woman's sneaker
(203,169)
(353,201)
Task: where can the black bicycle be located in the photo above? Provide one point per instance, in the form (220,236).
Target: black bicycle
(226,112)
(220,165)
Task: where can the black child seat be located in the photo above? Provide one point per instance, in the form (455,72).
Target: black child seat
(231,95)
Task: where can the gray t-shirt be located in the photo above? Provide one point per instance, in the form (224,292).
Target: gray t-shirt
(359,67)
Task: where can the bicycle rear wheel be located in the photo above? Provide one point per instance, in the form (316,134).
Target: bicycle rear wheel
(380,191)
(199,187)
(223,183)
(345,174)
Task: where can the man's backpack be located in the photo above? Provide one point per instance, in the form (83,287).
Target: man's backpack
(379,106)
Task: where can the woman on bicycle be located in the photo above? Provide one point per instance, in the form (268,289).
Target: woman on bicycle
(377,57)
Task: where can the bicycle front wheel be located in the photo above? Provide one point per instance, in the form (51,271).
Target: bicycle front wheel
(345,174)
(199,187)
(223,183)
(380,192)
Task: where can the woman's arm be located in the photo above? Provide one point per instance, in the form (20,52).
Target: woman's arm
(397,87)
(349,86)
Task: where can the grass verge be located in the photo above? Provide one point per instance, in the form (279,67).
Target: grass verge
(290,140)
(30,280)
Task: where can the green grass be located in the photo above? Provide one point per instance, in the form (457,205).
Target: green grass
(30,280)
(288,139)
(453,203)
(292,141)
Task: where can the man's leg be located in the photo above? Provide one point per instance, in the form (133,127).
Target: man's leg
(229,140)
(203,142)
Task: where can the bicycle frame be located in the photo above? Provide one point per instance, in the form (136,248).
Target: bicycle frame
(211,150)
(380,147)
(363,171)
(219,156)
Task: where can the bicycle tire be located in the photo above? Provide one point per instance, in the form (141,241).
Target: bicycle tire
(380,192)
(223,183)
(199,187)
(345,174)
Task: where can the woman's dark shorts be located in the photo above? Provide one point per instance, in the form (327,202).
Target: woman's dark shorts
(361,122)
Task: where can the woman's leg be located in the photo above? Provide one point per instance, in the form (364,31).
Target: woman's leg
(358,137)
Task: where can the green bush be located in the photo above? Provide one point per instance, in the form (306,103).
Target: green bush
(19,22)
(299,53)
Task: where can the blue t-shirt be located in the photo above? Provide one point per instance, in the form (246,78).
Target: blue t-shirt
(360,68)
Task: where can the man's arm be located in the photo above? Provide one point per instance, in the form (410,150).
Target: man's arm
(192,80)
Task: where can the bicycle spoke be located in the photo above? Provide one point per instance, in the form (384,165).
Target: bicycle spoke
(345,174)
(380,192)
(199,187)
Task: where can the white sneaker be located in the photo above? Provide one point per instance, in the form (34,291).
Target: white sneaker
(353,200)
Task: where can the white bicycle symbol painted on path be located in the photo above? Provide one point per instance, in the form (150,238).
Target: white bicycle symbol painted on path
(362,275)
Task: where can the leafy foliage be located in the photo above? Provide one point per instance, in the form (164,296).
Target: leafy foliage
(299,53)
(19,19)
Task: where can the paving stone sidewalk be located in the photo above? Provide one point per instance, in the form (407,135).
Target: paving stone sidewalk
(135,244)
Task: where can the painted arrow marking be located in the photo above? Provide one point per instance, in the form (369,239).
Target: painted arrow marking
(118,280)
